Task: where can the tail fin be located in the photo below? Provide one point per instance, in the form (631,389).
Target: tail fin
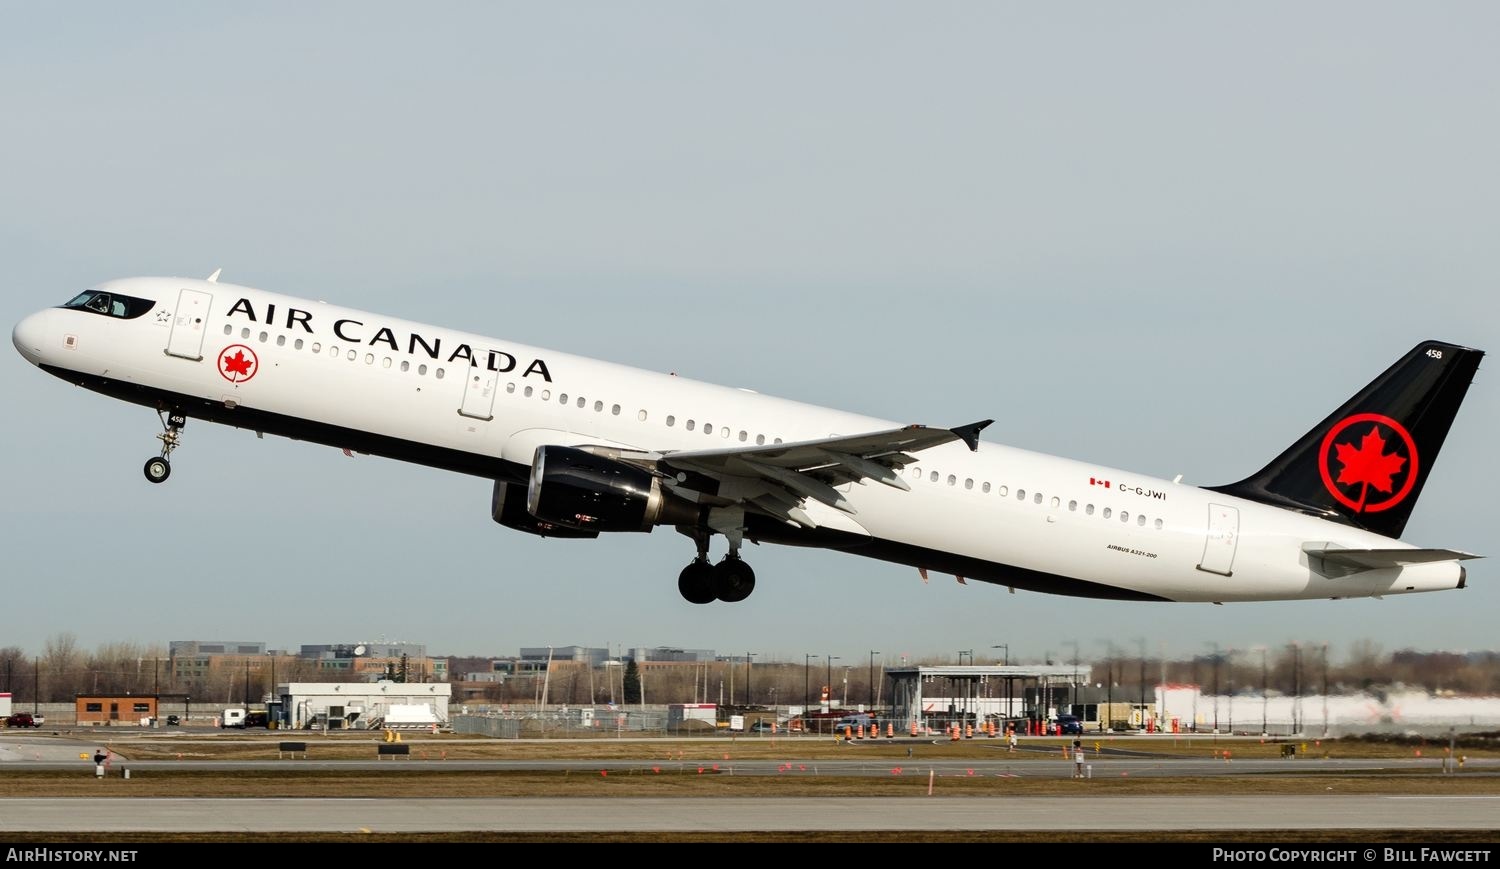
(1366,463)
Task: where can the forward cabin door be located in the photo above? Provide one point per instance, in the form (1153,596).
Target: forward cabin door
(1223,537)
(189,325)
(479,393)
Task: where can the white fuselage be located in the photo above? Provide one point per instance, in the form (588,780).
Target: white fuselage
(425,388)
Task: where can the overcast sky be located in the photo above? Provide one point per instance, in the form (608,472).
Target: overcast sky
(1164,237)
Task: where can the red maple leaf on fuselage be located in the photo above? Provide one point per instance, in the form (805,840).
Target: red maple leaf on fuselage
(238,364)
(1369,465)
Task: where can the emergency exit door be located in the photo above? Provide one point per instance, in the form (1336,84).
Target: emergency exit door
(1223,538)
(189,325)
(479,393)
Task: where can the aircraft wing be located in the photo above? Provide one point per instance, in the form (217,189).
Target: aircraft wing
(777,478)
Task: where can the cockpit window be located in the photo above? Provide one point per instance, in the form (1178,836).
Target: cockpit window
(111,304)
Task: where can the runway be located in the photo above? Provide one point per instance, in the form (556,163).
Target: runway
(731,814)
(941,810)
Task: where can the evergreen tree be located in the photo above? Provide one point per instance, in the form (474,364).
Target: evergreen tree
(632,682)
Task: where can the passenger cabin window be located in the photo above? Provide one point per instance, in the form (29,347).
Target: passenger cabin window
(1003,491)
(1020,494)
(760,440)
(1158,525)
(1089,510)
(985,488)
(671,420)
(1106,512)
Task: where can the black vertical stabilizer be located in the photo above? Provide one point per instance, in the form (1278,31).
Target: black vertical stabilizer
(1366,463)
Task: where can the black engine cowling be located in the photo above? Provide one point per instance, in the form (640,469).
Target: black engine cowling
(508,507)
(577,489)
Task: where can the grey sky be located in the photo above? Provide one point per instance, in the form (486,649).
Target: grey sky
(1168,237)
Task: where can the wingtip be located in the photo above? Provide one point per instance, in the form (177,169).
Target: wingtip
(969,434)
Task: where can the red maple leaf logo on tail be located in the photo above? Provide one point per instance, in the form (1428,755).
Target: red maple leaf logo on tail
(1369,465)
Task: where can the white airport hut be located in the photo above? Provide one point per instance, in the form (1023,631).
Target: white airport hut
(363,705)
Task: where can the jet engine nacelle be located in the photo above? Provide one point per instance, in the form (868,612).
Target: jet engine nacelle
(578,489)
(508,507)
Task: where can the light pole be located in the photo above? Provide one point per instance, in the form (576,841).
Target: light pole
(962,652)
(1325,689)
(873,653)
(1263,695)
(1073,688)
(1141,641)
(1296,688)
(1230,691)
(1006,647)
(748,656)
(806,685)
(1109,685)
(1216,685)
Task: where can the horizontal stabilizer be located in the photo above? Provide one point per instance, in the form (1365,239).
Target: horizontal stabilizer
(1337,561)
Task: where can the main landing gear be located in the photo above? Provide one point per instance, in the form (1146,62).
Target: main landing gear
(158,468)
(731,580)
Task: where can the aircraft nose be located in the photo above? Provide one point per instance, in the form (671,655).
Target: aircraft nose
(28,335)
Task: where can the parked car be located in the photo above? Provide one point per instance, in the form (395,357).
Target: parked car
(173,720)
(1069,724)
(22,719)
(763,726)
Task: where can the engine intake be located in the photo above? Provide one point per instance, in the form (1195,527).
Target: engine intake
(577,489)
(508,507)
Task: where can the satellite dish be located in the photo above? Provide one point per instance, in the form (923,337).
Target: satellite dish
(359,650)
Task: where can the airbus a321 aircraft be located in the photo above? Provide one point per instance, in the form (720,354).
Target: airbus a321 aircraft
(577,447)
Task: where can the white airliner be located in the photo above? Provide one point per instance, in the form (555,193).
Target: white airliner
(576,447)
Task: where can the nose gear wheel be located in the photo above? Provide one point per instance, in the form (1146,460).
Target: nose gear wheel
(158,468)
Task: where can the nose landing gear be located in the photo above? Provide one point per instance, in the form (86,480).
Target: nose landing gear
(158,468)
